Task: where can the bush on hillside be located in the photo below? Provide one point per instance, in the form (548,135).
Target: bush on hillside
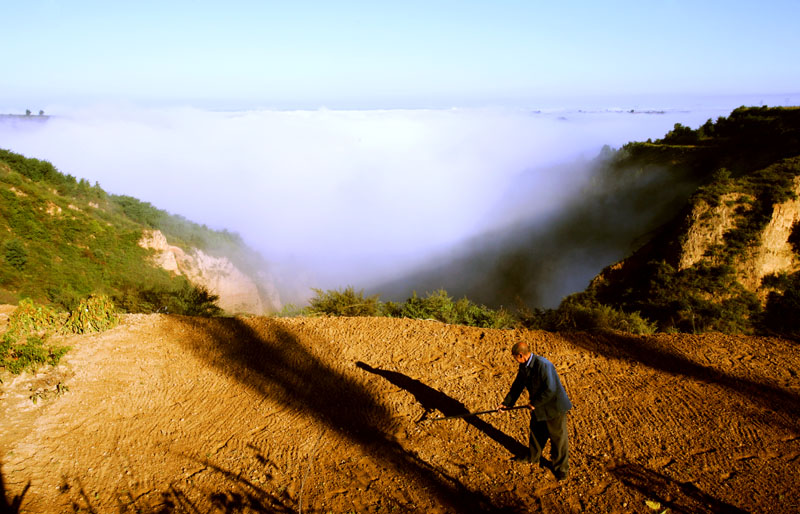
(173,297)
(439,306)
(94,314)
(436,306)
(580,311)
(32,324)
(30,355)
(31,318)
(15,254)
(346,302)
(781,315)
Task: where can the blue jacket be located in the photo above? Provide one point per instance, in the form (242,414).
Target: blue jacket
(545,391)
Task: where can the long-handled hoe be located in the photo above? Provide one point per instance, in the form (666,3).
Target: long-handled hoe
(477,413)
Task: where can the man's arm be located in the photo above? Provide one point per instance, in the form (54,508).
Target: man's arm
(516,389)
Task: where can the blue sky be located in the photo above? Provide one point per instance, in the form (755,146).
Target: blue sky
(245,54)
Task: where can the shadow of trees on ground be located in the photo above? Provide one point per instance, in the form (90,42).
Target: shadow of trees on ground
(649,353)
(280,367)
(432,399)
(10,505)
(237,496)
(677,496)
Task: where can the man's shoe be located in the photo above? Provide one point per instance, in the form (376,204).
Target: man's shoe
(561,476)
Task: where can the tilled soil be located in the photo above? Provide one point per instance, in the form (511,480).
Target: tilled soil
(178,414)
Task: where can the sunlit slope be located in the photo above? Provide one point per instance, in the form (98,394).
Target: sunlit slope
(62,239)
(169,413)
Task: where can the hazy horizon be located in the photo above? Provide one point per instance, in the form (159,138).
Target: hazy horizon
(350,141)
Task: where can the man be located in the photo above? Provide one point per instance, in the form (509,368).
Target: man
(548,403)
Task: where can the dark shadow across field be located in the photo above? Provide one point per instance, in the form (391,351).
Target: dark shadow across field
(434,400)
(672,495)
(282,368)
(781,402)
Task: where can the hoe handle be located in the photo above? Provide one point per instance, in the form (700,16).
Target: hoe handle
(478,412)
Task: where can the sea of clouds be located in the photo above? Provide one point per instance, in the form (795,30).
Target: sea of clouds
(339,197)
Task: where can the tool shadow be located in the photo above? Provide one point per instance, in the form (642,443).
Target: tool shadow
(434,400)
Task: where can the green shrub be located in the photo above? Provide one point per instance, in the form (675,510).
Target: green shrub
(94,314)
(437,305)
(582,312)
(15,254)
(30,318)
(34,323)
(198,301)
(781,314)
(30,355)
(347,302)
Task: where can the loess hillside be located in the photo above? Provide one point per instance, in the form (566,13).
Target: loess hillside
(62,239)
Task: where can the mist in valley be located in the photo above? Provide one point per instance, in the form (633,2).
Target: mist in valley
(503,205)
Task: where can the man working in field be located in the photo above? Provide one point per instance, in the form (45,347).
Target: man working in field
(548,403)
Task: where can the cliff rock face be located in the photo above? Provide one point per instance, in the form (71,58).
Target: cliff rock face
(768,254)
(774,254)
(237,292)
(707,227)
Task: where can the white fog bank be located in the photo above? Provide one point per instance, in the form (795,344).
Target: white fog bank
(351,197)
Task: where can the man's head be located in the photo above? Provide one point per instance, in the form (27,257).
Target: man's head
(521,352)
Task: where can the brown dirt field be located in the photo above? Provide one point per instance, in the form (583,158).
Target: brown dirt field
(176,414)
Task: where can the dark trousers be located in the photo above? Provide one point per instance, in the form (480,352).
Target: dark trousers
(556,431)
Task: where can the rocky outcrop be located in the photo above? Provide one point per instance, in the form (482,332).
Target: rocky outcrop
(773,253)
(768,254)
(707,227)
(238,293)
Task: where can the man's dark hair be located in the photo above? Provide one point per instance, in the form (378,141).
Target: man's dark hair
(520,348)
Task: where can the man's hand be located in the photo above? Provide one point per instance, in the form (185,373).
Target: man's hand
(531,407)
(501,407)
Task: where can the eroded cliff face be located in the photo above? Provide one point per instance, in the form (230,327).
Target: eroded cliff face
(768,254)
(707,227)
(238,293)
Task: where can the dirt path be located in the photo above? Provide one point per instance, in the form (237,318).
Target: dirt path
(173,414)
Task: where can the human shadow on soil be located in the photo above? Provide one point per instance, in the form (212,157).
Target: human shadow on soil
(648,352)
(10,505)
(432,400)
(263,354)
(676,496)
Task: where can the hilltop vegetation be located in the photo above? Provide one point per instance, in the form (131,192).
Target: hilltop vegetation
(749,166)
(63,239)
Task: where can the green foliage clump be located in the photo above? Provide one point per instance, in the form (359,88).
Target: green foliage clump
(29,318)
(782,311)
(582,312)
(15,254)
(440,306)
(30,355)
(347,302)
(177,296)
(437,306)
(33,323)
(94,314)
(702,298)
